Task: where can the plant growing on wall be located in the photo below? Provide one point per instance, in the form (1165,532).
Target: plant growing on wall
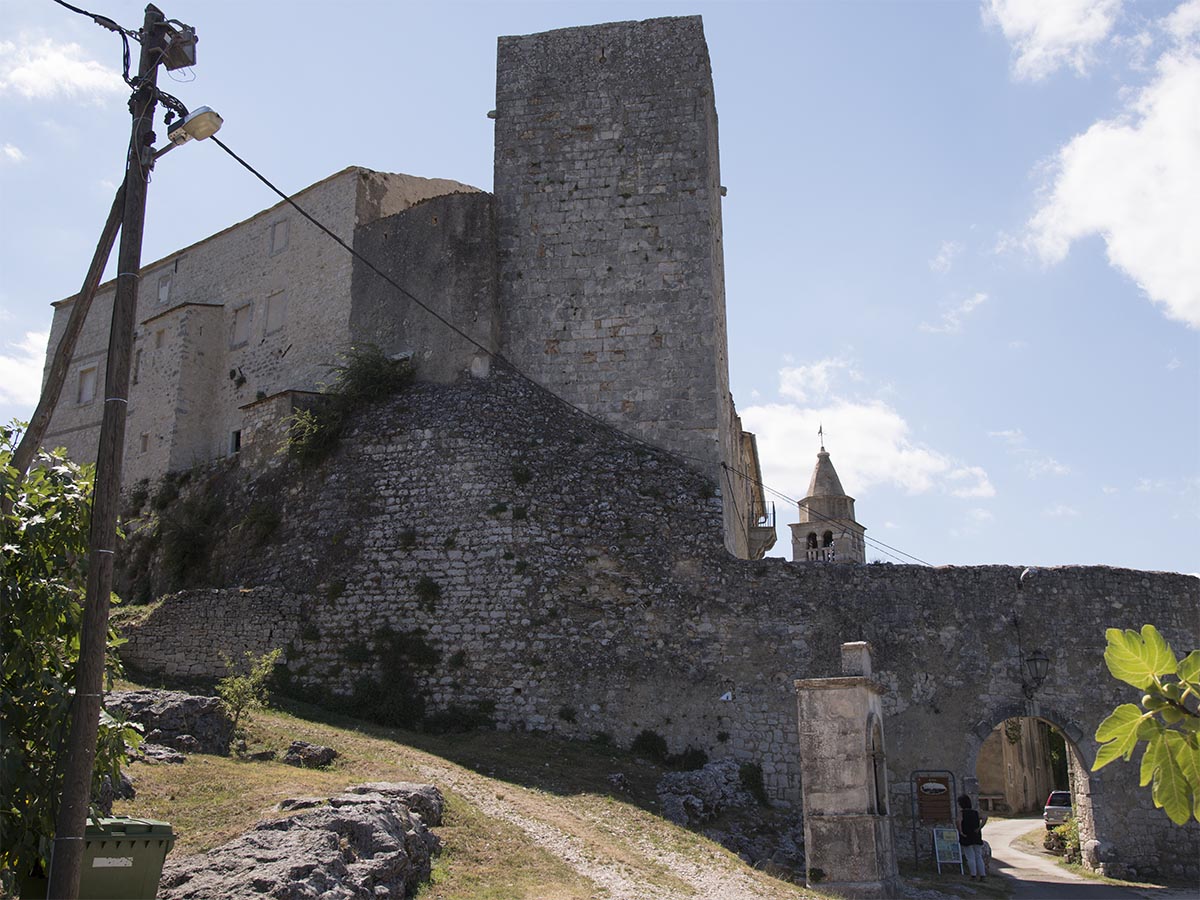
(44,534)
(365,374)
(1168,721)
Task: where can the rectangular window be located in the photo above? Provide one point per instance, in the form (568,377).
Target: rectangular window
(235,442)
(279,236)
(137,365)
(164,289)
(87,385)
(276,311)
(145,441)
(159,337)
(241,326)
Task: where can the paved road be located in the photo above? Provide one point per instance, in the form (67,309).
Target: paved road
(1038,877)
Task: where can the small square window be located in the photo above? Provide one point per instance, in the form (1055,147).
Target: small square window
(87,385)
(164,289)
(241,326)
(279,236)
(276,311)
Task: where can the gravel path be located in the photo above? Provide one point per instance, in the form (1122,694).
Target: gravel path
(650,869)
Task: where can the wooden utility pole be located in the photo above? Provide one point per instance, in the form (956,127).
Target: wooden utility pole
(67,856)
(32,438)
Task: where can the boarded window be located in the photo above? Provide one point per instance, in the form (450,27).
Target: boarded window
(279,237)
(87,385)
(241,326)
(276,311)
(164,289)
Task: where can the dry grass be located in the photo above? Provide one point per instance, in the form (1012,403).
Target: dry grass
(495,785)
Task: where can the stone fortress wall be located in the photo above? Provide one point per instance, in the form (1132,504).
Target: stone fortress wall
(577,581)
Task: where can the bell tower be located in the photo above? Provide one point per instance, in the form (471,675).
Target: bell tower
(827,531)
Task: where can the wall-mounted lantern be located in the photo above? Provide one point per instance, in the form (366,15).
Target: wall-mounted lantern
(1035,668)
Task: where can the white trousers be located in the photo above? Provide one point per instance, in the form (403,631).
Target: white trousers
(973,854)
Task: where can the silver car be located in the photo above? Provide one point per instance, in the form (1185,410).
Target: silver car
(1058,809)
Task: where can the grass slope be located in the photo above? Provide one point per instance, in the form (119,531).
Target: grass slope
(527,816)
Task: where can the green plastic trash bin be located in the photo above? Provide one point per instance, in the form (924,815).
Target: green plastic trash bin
(122,860)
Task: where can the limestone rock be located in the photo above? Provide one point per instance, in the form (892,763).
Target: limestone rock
(372,850)
(169,716)
(423,799)
(309,756)
(693,798)
(157,753)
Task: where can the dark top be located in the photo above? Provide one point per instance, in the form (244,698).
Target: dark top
(970,831)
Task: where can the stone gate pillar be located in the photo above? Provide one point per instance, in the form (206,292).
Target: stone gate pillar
(843,770)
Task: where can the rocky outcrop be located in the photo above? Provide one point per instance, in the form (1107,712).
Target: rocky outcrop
(693,798)
(184,722)
(309,756)
(367,844)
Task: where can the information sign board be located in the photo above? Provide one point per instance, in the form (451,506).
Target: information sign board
(946,848)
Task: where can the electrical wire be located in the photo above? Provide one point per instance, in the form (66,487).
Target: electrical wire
(515,370)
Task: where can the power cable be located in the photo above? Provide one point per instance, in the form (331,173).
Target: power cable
(512,367)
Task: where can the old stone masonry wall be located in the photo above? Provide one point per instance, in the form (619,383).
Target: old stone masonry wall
(478,551)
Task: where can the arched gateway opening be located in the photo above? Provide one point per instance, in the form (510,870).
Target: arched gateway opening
(1022,758)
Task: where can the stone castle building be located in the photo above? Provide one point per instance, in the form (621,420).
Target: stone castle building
(473,546)
(595,268)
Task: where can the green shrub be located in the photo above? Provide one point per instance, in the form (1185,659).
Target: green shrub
(521,474)
(651,745)
(365,375)
(689,760)
(567,713)
(428,593)
(751,776)
(241,693)
(1064,840)
(356,652)
(189,530)
(44,519)
(458,718)
(406,539)
(259,524)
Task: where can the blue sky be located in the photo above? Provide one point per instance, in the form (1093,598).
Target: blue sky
(965,237)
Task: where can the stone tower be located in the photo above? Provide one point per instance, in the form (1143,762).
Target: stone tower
(827,531)
(608,222)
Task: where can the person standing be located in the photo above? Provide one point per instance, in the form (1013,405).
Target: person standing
(970,837)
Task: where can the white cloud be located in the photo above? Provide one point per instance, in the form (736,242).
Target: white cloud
(1049,34)
(1036,464)
(10,153)
(1183,23)
(945,256)
(871,445)
(1060,511)
(814,381)
(21,369)
(1109,489)
(952,319)
(44,69)
(1014,437)
(1046,465)
(1135,181)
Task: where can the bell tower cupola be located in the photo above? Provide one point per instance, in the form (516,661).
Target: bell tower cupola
(827,531)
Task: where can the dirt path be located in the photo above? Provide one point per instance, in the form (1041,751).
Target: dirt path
(654,862)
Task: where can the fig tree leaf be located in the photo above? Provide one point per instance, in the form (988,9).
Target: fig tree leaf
(1136,659)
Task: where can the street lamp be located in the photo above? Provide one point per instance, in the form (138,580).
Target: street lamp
(1036,666)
